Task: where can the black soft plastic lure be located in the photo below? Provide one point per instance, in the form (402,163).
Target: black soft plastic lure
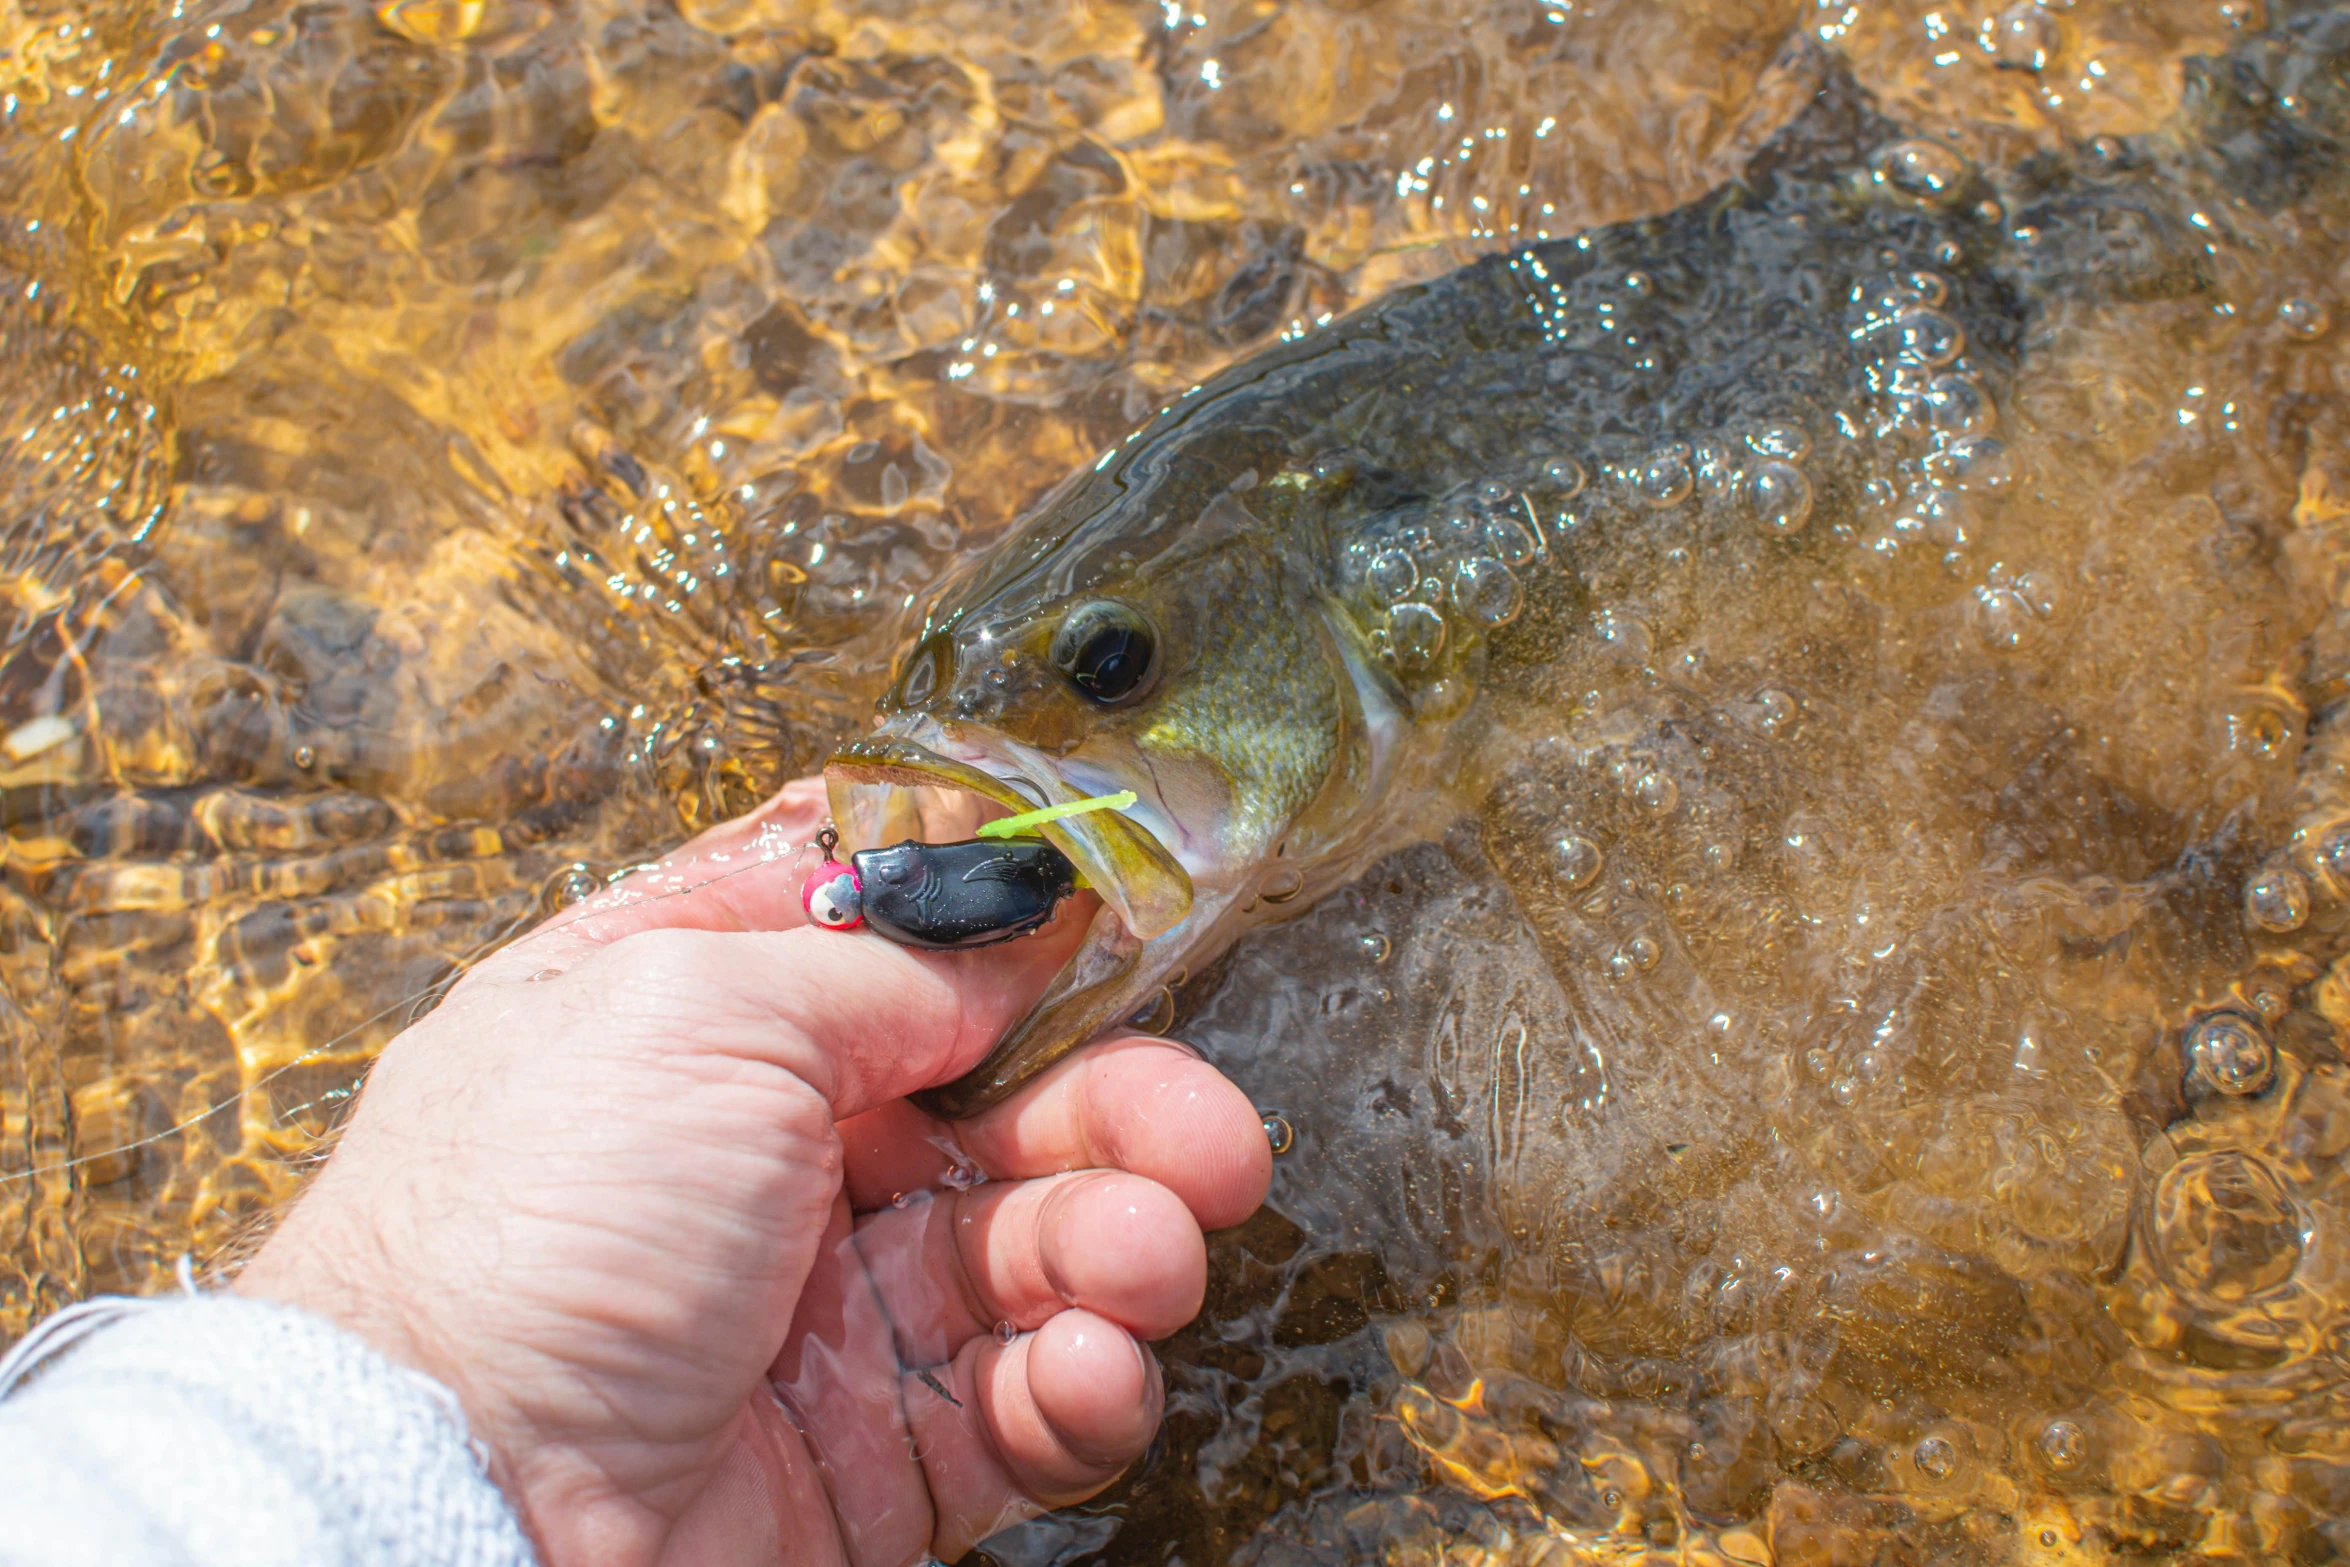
(942,895)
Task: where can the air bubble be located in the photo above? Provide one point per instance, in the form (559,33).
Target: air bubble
(1006,1334)
(1924,171)
(2021,38)
(1510,540)
(2304,318)
(1376,946)
(1639,284)
(572,884)
(1928,336)
(1391,576)
(1493,492)
(1415,634)
(1565,477)
(2333,857)
(1779,495)
(1787,442)
(1656,792)
(2226,1226)
(2229,1052)
(2276,900)
(1957,406)
(1663,477)
(1486,592)
(305,757)
(1577,861)
(1935,1457)
(2063,1445)
(1776,712)
(1975,463)
(1643,952)
(1278,1132)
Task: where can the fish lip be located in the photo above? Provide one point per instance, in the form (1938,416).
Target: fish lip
(1120,859)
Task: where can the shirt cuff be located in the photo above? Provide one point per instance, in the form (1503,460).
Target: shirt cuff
(213,1429)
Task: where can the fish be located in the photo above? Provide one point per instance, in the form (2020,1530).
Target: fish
(1293,609)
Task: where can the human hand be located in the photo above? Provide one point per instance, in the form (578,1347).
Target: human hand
(645,1193)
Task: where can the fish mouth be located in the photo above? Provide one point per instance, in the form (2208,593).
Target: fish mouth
(885,789)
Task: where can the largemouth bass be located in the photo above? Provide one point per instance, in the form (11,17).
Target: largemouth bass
(1302,603)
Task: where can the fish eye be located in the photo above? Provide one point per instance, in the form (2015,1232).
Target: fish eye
(1106,650)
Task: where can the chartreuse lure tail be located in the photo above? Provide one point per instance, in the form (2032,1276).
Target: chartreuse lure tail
(1013,826)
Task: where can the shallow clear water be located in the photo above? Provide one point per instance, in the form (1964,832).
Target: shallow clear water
(1879,1105)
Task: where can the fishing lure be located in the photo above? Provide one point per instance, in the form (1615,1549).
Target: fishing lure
(950,895)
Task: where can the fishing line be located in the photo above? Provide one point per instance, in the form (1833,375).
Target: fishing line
(462,966)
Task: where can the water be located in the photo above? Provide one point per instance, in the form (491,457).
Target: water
(455,448)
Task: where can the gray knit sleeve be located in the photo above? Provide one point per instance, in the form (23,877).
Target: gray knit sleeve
(214,1430)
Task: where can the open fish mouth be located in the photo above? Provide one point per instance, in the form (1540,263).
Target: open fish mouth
(884,789)
(878,787)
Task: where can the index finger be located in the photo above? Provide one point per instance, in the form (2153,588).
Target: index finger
(743,874)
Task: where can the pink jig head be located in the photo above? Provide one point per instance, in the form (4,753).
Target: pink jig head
(832,894)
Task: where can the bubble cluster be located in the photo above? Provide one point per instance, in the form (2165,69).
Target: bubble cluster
(1461,564)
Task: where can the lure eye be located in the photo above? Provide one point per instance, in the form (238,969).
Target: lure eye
(1106,650)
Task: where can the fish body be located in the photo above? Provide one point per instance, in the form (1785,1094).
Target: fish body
(1299,603)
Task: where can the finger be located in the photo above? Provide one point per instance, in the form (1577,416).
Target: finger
(1128,1104)
(859,1019)
(1040,1423)
(839,1380)
(1015,1255)
(743,874)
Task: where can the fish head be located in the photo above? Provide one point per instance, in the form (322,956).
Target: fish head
(1185,649)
